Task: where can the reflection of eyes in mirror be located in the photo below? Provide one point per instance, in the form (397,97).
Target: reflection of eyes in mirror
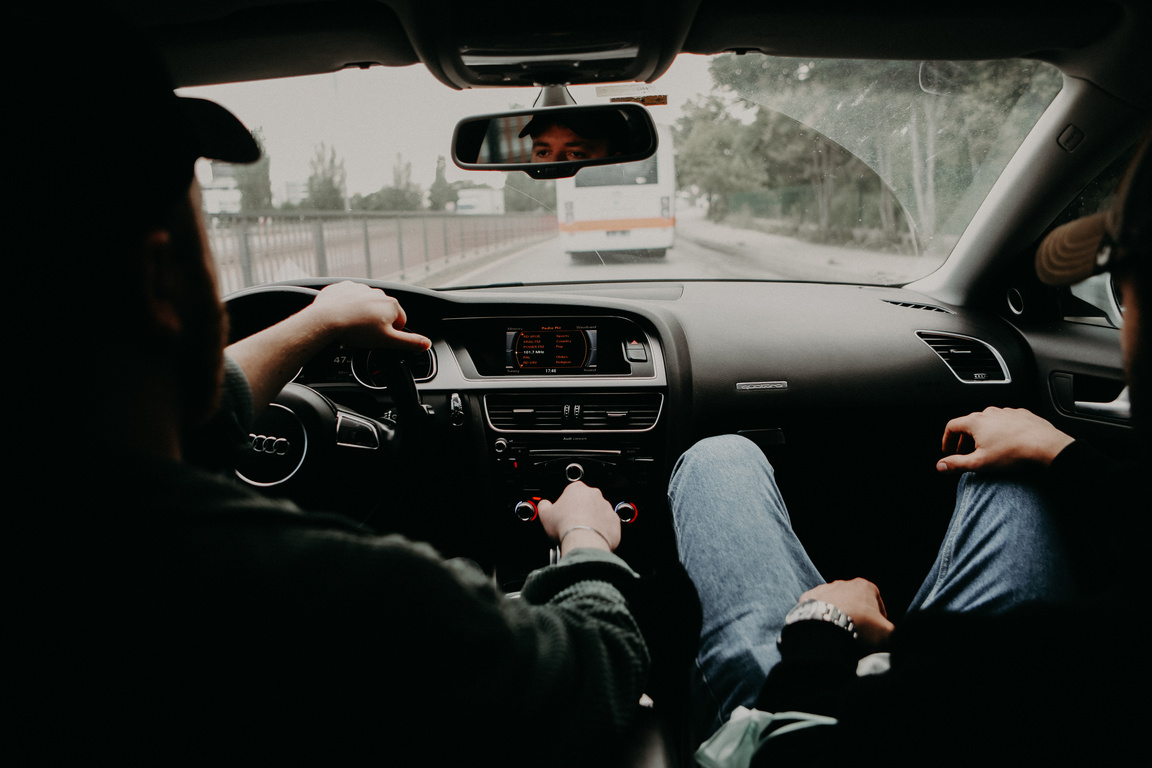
(557,143)
(548,139)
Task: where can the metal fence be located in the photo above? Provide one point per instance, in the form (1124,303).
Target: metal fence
(258,248)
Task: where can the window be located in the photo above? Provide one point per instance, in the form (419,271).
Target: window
(1095,301)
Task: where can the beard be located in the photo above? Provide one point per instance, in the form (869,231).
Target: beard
(1139,365)
(201,361)
(198,352)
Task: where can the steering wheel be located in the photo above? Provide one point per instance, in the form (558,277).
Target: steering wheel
(317,452)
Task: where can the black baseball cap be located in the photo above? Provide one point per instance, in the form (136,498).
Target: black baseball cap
(590,124)
(102,115)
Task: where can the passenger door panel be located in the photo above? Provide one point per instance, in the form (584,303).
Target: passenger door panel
(1080,374)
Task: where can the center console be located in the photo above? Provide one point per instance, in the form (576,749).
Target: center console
(571,398)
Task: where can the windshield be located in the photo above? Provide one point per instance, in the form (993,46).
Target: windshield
(768,169)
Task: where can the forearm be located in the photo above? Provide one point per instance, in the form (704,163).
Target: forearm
(271,358)
(812,673)
(539,683)
(349,312)
(586,632)
(1098,507)
(215,443)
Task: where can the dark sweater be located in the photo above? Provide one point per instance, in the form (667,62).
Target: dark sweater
(167,614)
(1040,684)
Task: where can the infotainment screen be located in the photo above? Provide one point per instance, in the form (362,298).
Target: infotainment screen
(559,346)
(550,348)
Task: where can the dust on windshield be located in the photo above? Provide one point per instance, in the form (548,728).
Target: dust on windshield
(768,169)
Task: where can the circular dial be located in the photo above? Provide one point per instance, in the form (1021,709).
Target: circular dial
(367,368)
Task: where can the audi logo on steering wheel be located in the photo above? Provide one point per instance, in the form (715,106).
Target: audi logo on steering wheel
(278,446)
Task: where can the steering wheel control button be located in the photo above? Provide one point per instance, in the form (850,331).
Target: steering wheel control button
(526,511)
(627,512)
(353,432)
(277,446)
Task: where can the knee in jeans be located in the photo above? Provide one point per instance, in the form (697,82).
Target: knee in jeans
(1020,486)
(991,497)
(721,450)
(734,447)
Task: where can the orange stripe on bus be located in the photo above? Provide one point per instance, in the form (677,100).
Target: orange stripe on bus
(614,225)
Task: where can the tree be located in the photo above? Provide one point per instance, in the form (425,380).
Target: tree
(714,153)
(926,128)
(326,185)
(255,180)
(817,97)
(402,195)
(441,193)
(796,157)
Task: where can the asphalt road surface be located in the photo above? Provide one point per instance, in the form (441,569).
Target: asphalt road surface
(546,263)
(702,251)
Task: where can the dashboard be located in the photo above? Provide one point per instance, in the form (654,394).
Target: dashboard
(532,387)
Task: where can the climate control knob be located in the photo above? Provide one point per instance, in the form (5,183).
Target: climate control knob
(526,511)
(627,512)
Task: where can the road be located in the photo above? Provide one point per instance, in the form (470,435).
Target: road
(545,263)
(703,251)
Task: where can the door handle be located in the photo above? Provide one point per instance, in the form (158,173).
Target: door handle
(1120,408)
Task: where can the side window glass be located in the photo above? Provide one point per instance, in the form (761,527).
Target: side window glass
(1095,300)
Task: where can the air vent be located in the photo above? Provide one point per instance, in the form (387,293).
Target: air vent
(913,305)
(508,413)
(971,360)
(621,412)
(584,412)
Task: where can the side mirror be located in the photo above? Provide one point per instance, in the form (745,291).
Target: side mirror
(554,142)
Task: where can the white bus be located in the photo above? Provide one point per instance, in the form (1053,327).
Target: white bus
(613,208)
(480,200)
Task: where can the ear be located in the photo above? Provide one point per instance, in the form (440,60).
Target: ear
(161,283)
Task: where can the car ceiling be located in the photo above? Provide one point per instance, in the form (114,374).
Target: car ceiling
(210,41)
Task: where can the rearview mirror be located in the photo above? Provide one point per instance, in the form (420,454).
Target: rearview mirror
(554,142)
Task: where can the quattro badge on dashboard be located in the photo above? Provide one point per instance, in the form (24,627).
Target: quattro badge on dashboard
(753,385)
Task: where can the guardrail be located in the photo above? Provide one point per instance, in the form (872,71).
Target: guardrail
(251,249)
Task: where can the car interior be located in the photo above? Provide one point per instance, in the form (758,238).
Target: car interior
(845,383)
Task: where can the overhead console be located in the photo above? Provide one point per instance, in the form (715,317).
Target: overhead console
(467,45)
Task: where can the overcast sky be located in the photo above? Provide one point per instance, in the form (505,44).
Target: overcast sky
(370,115)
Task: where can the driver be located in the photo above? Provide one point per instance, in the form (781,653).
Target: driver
(588,136)
(166,613)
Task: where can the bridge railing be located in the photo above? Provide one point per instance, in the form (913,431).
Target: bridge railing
(251,249)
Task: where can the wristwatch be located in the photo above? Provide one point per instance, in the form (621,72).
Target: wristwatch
(817,610)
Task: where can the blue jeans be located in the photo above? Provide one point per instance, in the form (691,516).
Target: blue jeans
(736,542)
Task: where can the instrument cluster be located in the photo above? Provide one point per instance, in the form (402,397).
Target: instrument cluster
(341,365)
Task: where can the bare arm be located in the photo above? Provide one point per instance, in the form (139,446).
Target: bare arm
(349,312)
(999,438)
